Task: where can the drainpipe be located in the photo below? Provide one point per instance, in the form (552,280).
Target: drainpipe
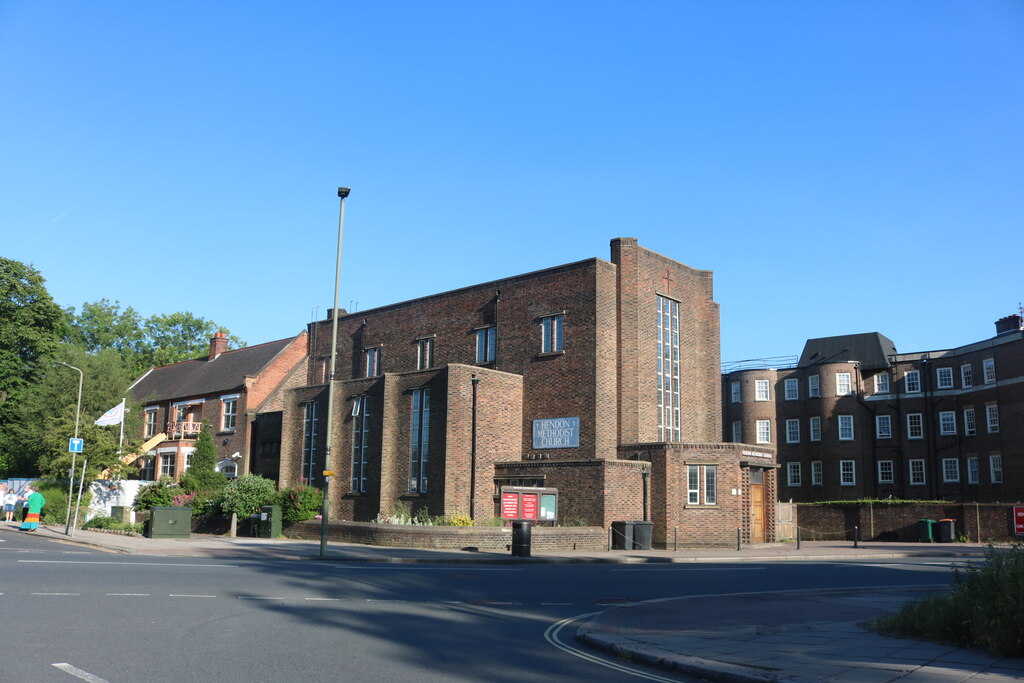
(646,472)
(497,336)
(472,454)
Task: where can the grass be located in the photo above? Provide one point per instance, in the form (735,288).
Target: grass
(985,609)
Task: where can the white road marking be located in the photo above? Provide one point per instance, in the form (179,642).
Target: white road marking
(430,569)
(257,597)
(310,599)
(558,604)
(55,594)
(186,595)
(78,673)
(553,631)
(141,595)
(139,564)
(689,569)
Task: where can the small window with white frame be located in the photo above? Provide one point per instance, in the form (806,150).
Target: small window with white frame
(966,376)
(944,378)
(761,390)
(883,426)
(792,431)
(988,367)
(794,475)
(844,384)
(973,471)
(734,392)
(970,422)
(228,412)
(882,383)
(847,473)
(551,333)
(764,431)
(792,388)
(151,414)
(950,470)
(816,473)
(885,472)
(917,473)
(995,468)
(915,426)
(815,428)
(992,418)
(947,422)
(813,386)
(693,484)
(737,431)
(846,427)
(912,382)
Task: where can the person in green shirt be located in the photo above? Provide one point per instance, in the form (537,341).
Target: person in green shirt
(35,506)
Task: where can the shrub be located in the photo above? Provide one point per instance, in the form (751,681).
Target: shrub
(201,475)
(300,503)
(245,495)
(158,494)
(459,519)
(112,523)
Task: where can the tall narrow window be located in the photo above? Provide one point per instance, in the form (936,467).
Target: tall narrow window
(792,389)
(912,382)
(915,426)
(761,390)
(764,431)
(917,473)
(815,428)
(847,473)
(883,426)
(817,476)
(792,431)
(551,333)
(814,386)
(693,484)
(228,413)
(988,366)
(973,471)
(360,442)
(992,418)
(970,422)
(966,376)
(950,470)
(947,423)
(846,427)
(737,431)
(309,436)
(668,370)
(734,392)
(424,353)
(844,386)
(885,472)
(372,361)
(150,422)
(995,468)
(711,485)
(419,440)
(944,378)
(794,476)
(486,340)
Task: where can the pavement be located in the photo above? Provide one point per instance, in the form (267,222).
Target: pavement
(784,636)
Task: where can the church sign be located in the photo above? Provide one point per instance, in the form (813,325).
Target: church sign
(558,432)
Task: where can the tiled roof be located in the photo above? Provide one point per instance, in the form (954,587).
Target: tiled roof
(226,372)
(870,349)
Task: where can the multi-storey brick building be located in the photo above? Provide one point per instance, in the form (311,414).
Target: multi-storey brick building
(238,393)
(855,419)
(598,378)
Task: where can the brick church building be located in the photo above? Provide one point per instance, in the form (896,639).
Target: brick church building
(598,378)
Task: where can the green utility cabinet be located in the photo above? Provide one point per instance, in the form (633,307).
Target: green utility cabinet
(270,521)
(169,522)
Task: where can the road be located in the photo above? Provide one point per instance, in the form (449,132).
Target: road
(121,618)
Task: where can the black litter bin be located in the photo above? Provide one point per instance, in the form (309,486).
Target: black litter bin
(947,530)
(925,529)
(521,532)
(642,535)
(622,535)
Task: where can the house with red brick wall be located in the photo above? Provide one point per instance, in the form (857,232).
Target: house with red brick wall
(598,378)
(234,391)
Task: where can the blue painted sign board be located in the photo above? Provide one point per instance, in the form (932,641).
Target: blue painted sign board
(75,445)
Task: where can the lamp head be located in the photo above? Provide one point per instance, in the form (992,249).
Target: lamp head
(343,192)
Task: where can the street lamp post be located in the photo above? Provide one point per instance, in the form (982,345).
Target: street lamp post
(78,415)
(343,192)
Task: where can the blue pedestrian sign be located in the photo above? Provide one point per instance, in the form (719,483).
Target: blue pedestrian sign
(75,445)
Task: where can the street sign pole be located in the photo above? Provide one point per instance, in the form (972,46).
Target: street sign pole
(323,513)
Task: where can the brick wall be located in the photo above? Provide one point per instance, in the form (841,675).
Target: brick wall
(978,522)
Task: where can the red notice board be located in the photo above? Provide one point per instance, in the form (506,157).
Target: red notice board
(1018,520)
(529,503)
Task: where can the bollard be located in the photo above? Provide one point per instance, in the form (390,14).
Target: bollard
(798,538)
(856,535)
(675,543)
(739,537)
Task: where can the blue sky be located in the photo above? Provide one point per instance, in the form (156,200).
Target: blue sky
(841,166)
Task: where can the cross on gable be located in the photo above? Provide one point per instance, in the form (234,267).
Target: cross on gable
(667,280)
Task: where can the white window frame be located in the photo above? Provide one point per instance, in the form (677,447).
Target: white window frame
(794,474)
(764,431)
(694,475)
(966,375)
(668,378)
(813,386)
(149,430)
(995,468)
(988,367)
(846,428)
(973,470)
(950,470)
(693,484)
(944,378)
(947,422)
(817,475)
(883,426)
(792,389)
(847,473)
(552,335)
(970,422)
(793,431)
(882,383)
(844,384)
(815,428)
(735,392)
(992,418)
(917,475)
(886,472)
(168,464)
(711,484)
(912,382)
(762,390)
(226,424)
(737,431)
(915,426)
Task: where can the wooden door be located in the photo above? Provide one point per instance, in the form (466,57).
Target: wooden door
(757,513)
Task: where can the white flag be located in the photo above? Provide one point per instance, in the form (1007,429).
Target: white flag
(114,416)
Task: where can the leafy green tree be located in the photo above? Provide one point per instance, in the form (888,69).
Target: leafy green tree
(179,336)
(245,495)
(103,325)
(201,475)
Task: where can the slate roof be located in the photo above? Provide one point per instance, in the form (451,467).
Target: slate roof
(870,349)
(189,378)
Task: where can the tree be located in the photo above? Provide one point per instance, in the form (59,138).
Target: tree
(103,325)
(201,475)
(179,336)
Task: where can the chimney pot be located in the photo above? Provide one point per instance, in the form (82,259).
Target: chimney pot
(1010,323)
(218,344)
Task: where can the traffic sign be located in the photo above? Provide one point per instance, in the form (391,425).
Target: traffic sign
(75,445)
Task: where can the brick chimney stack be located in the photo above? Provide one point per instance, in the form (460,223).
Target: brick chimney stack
(218,344)
(1010,323)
